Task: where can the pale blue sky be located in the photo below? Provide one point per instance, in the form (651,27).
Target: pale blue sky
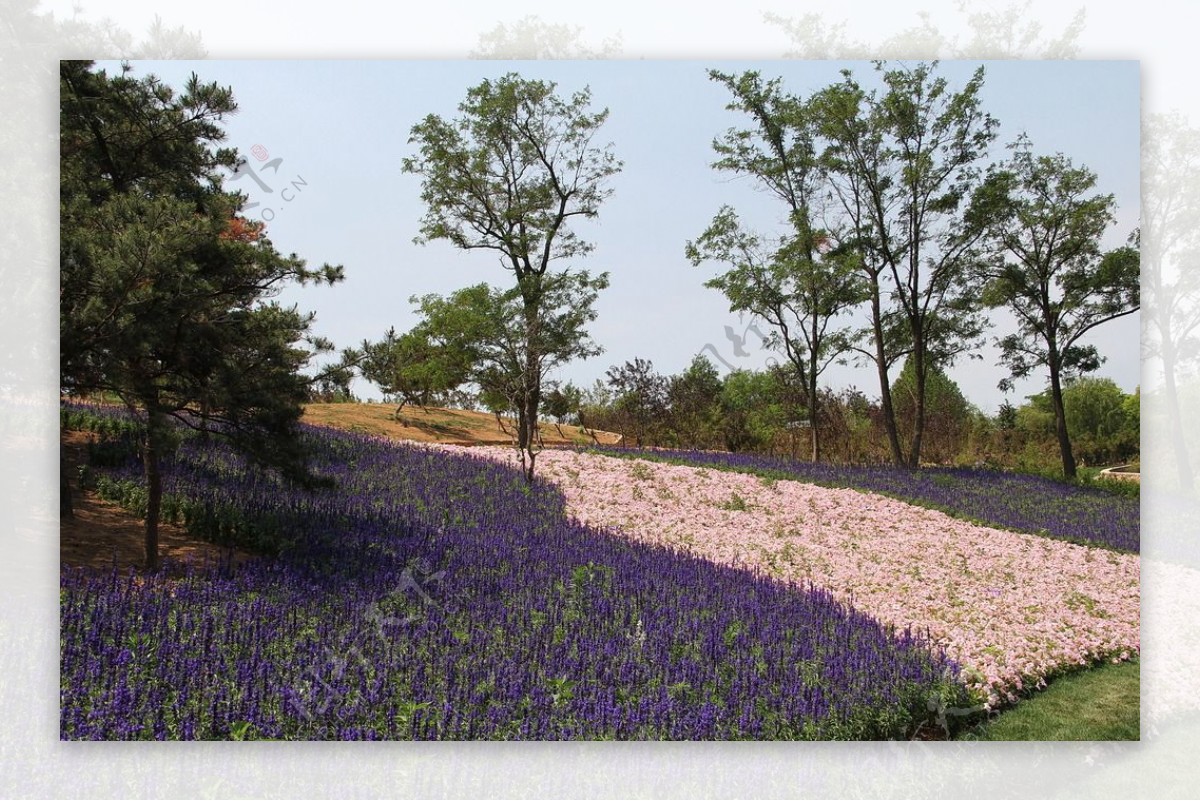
(341,128)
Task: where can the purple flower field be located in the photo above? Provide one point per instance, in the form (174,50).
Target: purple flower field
(1011,500)
(435,596)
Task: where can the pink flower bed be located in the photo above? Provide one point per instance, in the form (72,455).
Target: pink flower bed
(1011,608)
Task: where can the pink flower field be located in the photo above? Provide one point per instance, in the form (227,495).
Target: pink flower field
(1011,608)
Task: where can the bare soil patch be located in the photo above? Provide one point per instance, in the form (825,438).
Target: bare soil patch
(102,534)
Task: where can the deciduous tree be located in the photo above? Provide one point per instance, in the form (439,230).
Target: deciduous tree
(1046,223)
(640,398)
(796,283)
(507,356)
(902,163)
(694,399)
(512,175)
(752,412)
(1101,419)
(947,411)
(414,367)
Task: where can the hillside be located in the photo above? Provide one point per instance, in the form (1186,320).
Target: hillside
(450,426)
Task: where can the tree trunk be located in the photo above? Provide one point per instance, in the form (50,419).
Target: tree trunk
(526,433)
(532,291)
(586,428)
(813,409)
(522,427)
(151,448)
(885,389)
(918,435)
(1060,420)
(529,469)
(66,508)
(528,403)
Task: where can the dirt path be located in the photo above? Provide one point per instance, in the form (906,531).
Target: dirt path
(102,533)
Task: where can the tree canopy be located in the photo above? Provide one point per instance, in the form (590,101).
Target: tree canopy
(413,367)
(875,184)
(902,164)
(796,284)
(1045,224)
(511,175)
(166,291)
(486,330)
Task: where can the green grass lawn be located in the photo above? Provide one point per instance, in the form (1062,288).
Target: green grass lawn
(1098,704)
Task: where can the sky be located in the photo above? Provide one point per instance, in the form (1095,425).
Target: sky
(331,136)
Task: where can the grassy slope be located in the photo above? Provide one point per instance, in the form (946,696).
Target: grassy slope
(1102,703)
(451,426)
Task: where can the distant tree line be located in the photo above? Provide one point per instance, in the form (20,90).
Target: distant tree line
(765,411)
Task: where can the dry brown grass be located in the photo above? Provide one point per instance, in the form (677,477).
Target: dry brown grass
(449,426)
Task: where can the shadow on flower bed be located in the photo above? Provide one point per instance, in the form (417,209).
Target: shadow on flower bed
(436,596)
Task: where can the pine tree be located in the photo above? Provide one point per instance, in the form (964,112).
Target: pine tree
(166,290)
